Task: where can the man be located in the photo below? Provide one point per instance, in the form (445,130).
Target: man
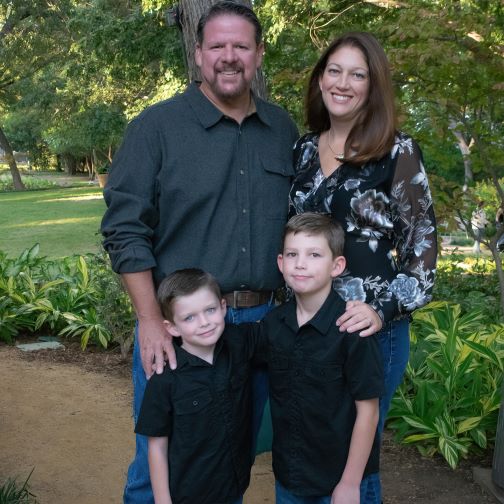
(201,180)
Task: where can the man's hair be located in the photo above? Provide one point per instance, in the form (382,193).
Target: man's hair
(229,7)
(184,282)
(318,224)
(373,133)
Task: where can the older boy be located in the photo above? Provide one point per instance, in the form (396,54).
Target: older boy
(198,416)
(324,384)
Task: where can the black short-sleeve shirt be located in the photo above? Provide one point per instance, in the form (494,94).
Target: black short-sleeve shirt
(205,411)
(316,375)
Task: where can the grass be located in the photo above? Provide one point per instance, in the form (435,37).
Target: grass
(63,221)
(12,492)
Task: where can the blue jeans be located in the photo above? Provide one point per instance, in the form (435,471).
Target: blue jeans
(283,496)
(394,344)
(138,488)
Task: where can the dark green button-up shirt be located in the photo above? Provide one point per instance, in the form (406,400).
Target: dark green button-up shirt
(190,187)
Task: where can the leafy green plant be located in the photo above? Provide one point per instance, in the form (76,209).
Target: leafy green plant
(86,325)
(102,169)
(470,282)
(114,309)
(31,183)
(449,400)
(78,296)
(12,493)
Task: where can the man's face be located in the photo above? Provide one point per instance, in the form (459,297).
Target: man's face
(228,58)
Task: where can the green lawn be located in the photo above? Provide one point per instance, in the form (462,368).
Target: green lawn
(63,221)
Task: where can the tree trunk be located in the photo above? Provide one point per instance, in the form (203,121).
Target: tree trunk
(190,13)
(465,150)
(69,164)
(9,156)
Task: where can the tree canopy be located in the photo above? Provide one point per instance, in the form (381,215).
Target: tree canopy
(73,72)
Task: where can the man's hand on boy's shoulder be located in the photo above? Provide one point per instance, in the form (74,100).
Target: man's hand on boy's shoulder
(155,346)
(359,316)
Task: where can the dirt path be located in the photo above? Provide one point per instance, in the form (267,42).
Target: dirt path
(73,425)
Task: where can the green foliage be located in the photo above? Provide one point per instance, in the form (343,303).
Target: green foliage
(11,492)
(77,296)
(31,183)
(470,282)
(449,400)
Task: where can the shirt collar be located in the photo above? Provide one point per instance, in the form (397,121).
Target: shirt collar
(184,358)
(324,319)
(209,114)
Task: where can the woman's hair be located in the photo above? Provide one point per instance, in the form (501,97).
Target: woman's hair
(372,135)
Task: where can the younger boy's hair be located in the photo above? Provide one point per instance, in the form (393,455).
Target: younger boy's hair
(318,224)
(184,282)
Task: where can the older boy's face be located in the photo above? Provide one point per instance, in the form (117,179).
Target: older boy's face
(308,265)
(199,320)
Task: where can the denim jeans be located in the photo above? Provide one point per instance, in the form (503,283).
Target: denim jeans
(138,488)
(283,496)
(394,344)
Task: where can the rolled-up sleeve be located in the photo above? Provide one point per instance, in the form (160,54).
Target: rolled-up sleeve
(131,197)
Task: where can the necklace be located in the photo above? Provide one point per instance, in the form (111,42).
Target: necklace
(338,157)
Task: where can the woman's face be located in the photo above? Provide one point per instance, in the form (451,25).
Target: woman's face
(345,83)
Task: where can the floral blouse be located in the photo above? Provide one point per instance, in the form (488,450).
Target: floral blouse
(385,208)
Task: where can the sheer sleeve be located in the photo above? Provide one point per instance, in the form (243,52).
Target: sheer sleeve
(414,234)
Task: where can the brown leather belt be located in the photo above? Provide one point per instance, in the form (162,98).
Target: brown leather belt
(247,298)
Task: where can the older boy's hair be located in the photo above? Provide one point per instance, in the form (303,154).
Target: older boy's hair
(235,8)
(318,224)
(184,282)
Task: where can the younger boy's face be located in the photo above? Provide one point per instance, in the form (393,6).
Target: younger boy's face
(307,263)
(198,319)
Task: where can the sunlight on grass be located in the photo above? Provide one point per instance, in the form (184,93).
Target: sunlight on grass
(84,197)
(54,222)
(64,221)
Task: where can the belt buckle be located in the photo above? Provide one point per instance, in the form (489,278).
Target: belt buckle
(235,298)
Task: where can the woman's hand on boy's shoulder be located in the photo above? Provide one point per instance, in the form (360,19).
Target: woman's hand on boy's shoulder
(359,316)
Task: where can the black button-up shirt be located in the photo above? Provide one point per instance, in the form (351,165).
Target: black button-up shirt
(205,411)
(316,375)
(190,187)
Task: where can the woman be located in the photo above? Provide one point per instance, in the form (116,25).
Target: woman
(356,166)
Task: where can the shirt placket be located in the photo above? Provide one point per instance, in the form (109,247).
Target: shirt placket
(297,378)
(244,178)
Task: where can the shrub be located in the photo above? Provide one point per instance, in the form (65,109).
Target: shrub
(450,397)
(31,183)
(77,296)
(470,282)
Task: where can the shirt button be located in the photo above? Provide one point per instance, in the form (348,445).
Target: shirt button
(244,249)
(242,172)
(195,403)
(244,211)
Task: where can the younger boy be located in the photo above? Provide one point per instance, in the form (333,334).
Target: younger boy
(198,416)
(324,384)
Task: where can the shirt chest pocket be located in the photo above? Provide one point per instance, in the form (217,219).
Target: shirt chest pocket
(324,379)
(195,416)
(277,174)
